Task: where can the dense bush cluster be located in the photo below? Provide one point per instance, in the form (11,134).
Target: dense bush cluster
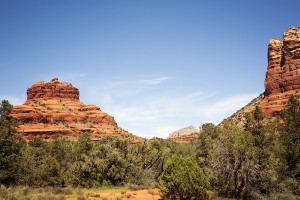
(258,161)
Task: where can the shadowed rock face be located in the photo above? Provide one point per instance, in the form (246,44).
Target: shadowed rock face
(283,72)
(54,109)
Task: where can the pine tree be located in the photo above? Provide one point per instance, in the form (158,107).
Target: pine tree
(290,137)
(10,145)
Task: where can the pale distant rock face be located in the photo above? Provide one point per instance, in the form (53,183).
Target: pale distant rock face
(283,73)
(53,109)
(183,133)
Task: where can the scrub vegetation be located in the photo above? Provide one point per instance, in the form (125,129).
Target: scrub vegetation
(258,161)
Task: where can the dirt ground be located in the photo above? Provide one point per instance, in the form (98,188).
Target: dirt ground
(146,194)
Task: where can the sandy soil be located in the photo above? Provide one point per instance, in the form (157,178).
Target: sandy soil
(147,194)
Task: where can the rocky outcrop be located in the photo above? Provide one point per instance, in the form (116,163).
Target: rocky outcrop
(283,72)
(184,135)
(282,77)
(52,90)
(54,109)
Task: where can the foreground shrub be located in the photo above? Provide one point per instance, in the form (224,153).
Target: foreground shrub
(183,178)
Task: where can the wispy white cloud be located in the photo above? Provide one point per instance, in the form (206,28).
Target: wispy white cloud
(13,100)
(73,76)
(120,90)
(171,113)
(142,107)
(64,77)
(153,81)
(165,130)
(136,115)
(140,83)
(229,104)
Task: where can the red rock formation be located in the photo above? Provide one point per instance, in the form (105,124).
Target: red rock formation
(283,73)
(185,139)
(52,90)
(53,109)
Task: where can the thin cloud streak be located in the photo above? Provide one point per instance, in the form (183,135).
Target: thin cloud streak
(65,77)
(228,104)
(143,108)
(13,100)
(140,82)
(154,81)
(177,108)
(198,108)
(119,90)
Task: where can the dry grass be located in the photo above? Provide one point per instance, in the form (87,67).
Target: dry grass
(113,193)
(56,193)
(52,193)
(25,193)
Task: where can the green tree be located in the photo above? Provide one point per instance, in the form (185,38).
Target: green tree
(5,108)
(38,166)
(264,142)
(258,114)
(61,150)
(10,146)
(101,164)
(208,133)
(89,171)
(234,162)
(290,136)
(84,144)
(183,178)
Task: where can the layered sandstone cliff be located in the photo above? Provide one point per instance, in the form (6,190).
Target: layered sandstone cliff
(54,109)
(283,72)
(282,77)
(52,90)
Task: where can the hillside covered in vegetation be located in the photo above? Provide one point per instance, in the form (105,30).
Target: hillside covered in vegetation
(259,161)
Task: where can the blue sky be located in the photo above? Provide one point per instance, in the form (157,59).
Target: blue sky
(156,65)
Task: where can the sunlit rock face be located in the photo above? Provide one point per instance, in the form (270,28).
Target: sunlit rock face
(283,72)
(54,109)
(282,77)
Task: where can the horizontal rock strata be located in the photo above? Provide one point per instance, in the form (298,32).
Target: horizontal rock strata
(54,109)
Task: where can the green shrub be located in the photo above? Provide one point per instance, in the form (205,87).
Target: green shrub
(183,178)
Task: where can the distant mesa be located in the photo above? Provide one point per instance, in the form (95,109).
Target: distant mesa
(184,135)
(54,109)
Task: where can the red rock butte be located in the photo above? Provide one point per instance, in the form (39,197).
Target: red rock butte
(283,72)
(52,90)
(282,77)
(54,109)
